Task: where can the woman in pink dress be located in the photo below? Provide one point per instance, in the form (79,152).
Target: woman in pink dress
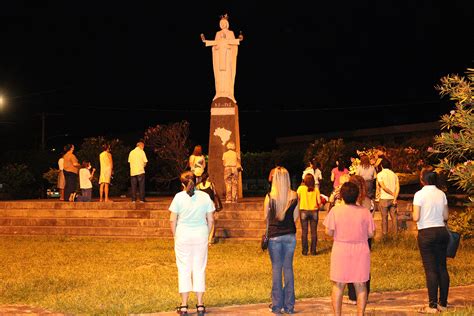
(350,225)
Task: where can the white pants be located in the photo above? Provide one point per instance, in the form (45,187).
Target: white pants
(191,259)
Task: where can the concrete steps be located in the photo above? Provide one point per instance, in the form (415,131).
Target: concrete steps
(123,219)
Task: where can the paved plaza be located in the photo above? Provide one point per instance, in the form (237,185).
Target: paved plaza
(387,303)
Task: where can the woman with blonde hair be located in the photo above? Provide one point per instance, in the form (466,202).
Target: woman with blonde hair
(191,221)
(282,209)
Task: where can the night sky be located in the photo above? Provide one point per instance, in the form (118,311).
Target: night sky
(115,69)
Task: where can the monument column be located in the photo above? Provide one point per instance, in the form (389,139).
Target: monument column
(224,127)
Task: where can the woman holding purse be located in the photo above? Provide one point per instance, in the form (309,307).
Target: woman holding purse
(430,211)
(281,210)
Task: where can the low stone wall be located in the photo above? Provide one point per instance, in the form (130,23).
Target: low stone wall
(123,219)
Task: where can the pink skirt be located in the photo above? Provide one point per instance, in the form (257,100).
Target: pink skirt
(350,262)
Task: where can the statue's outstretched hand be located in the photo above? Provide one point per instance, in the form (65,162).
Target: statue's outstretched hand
(203,38)
(241,36)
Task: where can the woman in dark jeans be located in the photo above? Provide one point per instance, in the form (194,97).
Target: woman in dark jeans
(310,200)
(281,207)
(430,211)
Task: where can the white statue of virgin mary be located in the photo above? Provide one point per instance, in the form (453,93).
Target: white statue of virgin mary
(224,59)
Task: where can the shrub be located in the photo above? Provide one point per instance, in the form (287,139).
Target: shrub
(257,165)
(51,176)
(170,144)
(17,180)
(455,145)
(90,150)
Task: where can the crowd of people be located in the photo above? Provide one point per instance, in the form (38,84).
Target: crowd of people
(349,221)
(73,174)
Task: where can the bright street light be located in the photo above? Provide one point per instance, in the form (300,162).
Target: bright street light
(2,101)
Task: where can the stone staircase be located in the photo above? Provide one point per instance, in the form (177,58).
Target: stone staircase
(123,219)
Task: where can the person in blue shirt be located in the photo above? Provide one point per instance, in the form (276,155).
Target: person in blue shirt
(191,221)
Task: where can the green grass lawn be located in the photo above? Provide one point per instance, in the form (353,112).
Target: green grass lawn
(94,276)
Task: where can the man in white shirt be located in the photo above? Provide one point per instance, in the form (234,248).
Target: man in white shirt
(137,160)
(389,189)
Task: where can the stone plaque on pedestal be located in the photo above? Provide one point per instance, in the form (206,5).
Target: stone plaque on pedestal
(224,127)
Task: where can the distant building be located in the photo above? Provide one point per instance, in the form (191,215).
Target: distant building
(395,133)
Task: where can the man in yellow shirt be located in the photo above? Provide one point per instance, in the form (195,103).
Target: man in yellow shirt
(137,159)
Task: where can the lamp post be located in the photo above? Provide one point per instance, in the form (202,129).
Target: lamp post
(53,137)
(43,127)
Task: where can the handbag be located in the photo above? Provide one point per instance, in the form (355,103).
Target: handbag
(217,200)
(265,239)
(453,243)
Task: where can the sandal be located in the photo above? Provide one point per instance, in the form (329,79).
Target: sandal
(201,310)
(428,310)
(349,301)
(180,311)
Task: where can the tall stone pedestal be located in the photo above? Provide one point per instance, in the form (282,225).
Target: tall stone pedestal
(224,127)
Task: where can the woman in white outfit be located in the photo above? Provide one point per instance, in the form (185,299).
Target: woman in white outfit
(106,168)
(61,179)
(191,221)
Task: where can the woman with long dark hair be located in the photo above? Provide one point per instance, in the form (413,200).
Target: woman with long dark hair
(191,221)
(281,207)
(310,201)
(430,211)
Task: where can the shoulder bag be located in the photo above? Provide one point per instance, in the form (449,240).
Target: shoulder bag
(453,243)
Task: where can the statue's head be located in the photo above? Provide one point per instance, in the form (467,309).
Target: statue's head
(224,22)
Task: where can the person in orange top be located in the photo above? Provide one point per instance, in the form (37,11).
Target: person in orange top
(71,171)
(310,200)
